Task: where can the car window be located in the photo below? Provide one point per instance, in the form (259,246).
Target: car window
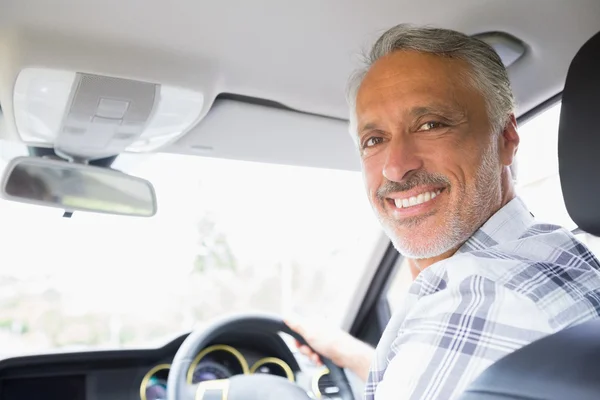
(229,236)
(538,184)
(538,178)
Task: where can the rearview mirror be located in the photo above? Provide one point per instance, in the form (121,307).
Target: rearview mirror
(77,187)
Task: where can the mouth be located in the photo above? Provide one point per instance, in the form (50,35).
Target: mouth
(415,201)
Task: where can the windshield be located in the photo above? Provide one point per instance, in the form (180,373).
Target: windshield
(229,236)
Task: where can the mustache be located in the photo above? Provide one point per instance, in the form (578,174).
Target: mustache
(418,178)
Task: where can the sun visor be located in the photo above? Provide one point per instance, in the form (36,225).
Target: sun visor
(579,138)
(253,132)
(509,48)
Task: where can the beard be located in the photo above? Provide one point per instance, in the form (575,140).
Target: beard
(473,206)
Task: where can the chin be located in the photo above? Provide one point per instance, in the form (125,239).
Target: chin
(420,251)
(417,243)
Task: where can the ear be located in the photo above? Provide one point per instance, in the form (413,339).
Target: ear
(509,142)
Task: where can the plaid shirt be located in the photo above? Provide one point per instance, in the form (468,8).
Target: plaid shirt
(514,281)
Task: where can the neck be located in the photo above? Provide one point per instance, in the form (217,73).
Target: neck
(416,266)
(507,193)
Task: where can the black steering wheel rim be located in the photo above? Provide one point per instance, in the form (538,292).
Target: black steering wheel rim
(179,389)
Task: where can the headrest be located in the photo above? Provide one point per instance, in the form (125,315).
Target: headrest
(579,138)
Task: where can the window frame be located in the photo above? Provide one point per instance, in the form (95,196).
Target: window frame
(374,311)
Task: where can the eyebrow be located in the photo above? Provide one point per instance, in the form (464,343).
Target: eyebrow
(367,127)
(454,113)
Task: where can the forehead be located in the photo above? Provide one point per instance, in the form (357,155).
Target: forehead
(408,79)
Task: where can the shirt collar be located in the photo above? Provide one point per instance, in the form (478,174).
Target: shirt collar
(507,224)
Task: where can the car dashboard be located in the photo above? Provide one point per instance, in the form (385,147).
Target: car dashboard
(142,374)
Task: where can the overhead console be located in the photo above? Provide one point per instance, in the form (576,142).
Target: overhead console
(93,99)
(94,116)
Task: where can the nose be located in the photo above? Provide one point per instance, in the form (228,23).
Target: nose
(401,159)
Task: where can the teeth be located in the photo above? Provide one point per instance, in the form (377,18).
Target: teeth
(414,200)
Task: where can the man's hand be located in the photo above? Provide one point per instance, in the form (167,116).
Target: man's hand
(340,347)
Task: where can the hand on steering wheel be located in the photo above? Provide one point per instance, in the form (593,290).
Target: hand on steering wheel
(334,343)
(241,387)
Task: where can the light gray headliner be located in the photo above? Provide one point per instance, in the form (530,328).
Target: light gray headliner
(296,53)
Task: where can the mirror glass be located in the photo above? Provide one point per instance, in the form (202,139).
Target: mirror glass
(75,187)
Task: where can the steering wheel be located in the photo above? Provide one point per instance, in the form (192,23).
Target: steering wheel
(241,387)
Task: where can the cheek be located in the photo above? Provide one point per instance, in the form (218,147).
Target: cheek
(372,175)
(469,168)
(455,163)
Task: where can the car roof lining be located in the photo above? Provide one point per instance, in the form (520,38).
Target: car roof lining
(289,55)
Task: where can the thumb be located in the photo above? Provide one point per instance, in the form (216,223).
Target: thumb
(294,323)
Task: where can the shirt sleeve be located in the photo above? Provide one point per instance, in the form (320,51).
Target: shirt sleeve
(451,336)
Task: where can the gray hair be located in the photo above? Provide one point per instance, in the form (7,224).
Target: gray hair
(487,74)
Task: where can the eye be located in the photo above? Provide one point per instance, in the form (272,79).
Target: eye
(372,141)
(427,126)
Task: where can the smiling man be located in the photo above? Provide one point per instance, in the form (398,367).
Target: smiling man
(432,114)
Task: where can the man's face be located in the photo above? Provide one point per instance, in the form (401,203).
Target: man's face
(430,160)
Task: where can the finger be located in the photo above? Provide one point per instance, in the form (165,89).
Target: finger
(306,346)
(306,351)
(290,322)
(315,358)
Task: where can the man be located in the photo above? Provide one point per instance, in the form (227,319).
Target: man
(433,118)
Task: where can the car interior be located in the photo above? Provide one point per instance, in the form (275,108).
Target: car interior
(179,177)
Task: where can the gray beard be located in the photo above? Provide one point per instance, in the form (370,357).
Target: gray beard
(459,228)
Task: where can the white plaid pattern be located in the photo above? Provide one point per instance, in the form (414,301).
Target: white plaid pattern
(514,281)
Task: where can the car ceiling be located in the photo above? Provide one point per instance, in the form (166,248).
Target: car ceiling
(298,54)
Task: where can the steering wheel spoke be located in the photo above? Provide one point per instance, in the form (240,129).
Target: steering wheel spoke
(212,390)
